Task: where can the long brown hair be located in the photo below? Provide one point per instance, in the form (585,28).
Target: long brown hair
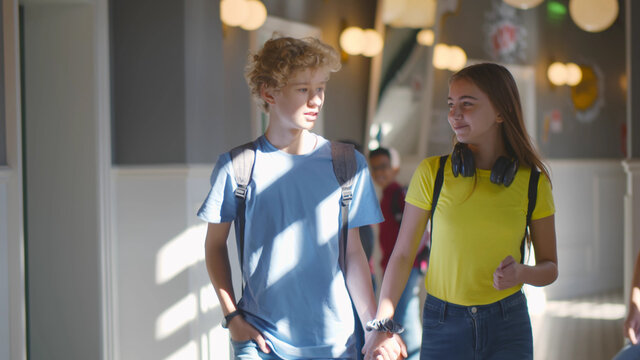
(498,83)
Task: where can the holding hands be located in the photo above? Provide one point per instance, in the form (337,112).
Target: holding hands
(381,345)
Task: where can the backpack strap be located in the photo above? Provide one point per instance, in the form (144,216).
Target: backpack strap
(532,197)
(437,186)
(242,158)
(343,157)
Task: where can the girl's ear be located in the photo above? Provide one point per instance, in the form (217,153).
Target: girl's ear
(267,95)
(499,118)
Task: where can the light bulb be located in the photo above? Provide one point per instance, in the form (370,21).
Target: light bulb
(257,15)
(458,58)
(372,43)
(523,4)
(425,37)
(593,15)
(557,73)
(352,40)
(441,57)
(233,12)
(574,74)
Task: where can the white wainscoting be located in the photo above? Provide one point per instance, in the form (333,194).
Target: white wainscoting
(166,307)
(589,198)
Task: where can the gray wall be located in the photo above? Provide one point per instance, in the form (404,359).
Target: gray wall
(179,94)
(3,129)
(633,70)
(62,242)
(148,81)
(546,41)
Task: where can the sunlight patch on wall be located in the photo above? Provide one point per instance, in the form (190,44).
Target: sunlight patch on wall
(585,310)
(177,316)
(180,253)
(187,352)
(536,299)
(218,344)
(208,299)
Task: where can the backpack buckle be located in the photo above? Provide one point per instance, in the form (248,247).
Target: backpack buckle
(347,196)
(241,191)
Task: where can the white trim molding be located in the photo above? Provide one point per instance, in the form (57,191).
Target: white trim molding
(12,176)
(103,116)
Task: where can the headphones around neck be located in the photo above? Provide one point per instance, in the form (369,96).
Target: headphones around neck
(462,163)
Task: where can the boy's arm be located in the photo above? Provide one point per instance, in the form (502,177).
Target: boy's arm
(358,280)
(219,269)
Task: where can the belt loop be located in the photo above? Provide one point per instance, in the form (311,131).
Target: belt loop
(443,311)
(503,307)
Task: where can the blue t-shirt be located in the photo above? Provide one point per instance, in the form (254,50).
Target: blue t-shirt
(295,292)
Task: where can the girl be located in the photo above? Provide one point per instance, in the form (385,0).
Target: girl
(475,307)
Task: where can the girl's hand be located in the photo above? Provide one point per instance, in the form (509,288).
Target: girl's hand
(507,274)
(240,330)
(384,346)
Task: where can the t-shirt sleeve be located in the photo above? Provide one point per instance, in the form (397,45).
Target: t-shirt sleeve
(220,204)
(365,208)
(544,203)
(421,186)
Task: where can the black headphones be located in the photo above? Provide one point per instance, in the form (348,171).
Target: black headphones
(462,163)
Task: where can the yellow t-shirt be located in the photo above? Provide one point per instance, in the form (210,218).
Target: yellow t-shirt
(475,226)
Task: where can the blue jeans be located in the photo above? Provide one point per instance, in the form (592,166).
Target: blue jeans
(248,350)
(628,352)
(408,314)
(501,330)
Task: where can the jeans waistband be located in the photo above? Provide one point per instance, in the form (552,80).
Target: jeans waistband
(500,306)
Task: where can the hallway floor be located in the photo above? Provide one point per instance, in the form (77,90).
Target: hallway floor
(586,328)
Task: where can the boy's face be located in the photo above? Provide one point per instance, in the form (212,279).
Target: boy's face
(296,106)
(381,170)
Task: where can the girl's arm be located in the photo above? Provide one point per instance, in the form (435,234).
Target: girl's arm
(358,278)
(510,273)
(414,221)
(632,322)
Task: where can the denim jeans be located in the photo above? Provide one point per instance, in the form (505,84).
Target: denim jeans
(628,352)
(248,350)
(408,314)
(501,330)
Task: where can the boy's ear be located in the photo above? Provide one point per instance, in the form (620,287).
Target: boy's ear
(267,95)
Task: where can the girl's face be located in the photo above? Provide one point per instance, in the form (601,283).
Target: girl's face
(471,114)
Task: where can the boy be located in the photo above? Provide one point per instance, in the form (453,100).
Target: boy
(296,300)
(384,172)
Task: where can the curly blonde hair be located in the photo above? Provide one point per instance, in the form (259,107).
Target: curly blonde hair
(280,57)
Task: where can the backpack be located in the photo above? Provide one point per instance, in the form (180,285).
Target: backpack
(532,197)
(345,166)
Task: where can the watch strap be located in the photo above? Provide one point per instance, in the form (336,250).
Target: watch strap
(229,316)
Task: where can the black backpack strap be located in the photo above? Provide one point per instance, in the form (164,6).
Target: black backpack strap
(343,157)
(437,186)
(242,158)
(532,197)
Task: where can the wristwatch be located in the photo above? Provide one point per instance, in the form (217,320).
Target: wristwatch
(229,316)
